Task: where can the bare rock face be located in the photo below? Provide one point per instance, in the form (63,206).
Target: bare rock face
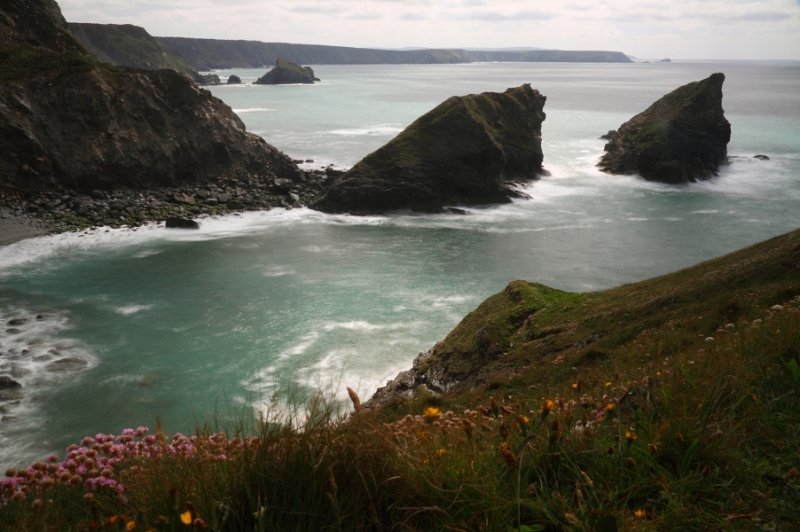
(469,150)
(682,137)
(68,120)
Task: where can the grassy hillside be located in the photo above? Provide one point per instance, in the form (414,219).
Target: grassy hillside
(670,404)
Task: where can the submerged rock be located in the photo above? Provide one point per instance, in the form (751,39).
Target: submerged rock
(286,72)
(67,364)
(682,137)
(10,390)
(469,150)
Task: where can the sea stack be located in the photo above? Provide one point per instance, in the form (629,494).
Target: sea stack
(285,72)
(681,138)
(469,150)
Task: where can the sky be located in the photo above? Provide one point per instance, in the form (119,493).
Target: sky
(679,29)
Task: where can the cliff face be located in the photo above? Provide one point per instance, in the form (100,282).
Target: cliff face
(68,121)
(131,46)
(682,137)
(469,150)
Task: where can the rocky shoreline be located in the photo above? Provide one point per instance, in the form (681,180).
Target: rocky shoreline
(55,211)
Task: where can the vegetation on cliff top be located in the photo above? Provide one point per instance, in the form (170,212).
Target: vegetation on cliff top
(666,404)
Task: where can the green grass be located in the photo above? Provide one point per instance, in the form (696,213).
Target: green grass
(669,404)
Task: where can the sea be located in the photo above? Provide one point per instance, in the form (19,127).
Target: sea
(255,312)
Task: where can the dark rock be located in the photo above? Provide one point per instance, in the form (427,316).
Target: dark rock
(610,135)
(682,137)
(7,383)
(67,364)
(209,79)
(185,199)
(16,322)
(469,150)
(761,157)
(286,72)
(10,390)
(71,123)
(175,222)
(233,79)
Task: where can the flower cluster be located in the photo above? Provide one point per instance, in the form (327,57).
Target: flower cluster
(96,462)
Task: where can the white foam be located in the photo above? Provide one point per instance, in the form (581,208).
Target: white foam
(127,310)
(369,131)
(34,353)
(277,271)
(254,110)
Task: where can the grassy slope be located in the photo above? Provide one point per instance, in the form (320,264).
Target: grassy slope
(666,404)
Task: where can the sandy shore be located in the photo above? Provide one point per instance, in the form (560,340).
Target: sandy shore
(14,229)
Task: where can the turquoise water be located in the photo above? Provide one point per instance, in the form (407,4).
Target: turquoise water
(191,327)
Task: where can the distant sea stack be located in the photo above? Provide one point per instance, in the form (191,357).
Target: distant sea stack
(285,72)
(681,138)
(469,150)
(68,121)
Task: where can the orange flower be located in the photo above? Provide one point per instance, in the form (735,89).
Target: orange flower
(431,412)
(610,407)
(547,407)
(639,513)
(130,525)
(186,517)
(630,435)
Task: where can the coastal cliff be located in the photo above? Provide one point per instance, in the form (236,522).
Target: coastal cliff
(71,124)
(529,325)
(208,54)
(131,46)
(469,150)
(682,137)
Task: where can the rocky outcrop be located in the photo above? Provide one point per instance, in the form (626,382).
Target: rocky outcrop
(233,79)
(176,222)
(469,150)
(69,122)
(285,72)
(682,137)
(131,46)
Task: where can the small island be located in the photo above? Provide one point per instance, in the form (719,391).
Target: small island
(285,72)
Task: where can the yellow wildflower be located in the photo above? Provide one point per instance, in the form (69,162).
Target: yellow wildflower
(130,525)
(639,513)
(441,452)
(547,407)
(630,435)
(186,517)
(431,412)
(610,407)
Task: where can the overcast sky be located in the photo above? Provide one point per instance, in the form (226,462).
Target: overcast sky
(680,29)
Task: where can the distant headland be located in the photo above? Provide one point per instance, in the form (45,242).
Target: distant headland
(208,54)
